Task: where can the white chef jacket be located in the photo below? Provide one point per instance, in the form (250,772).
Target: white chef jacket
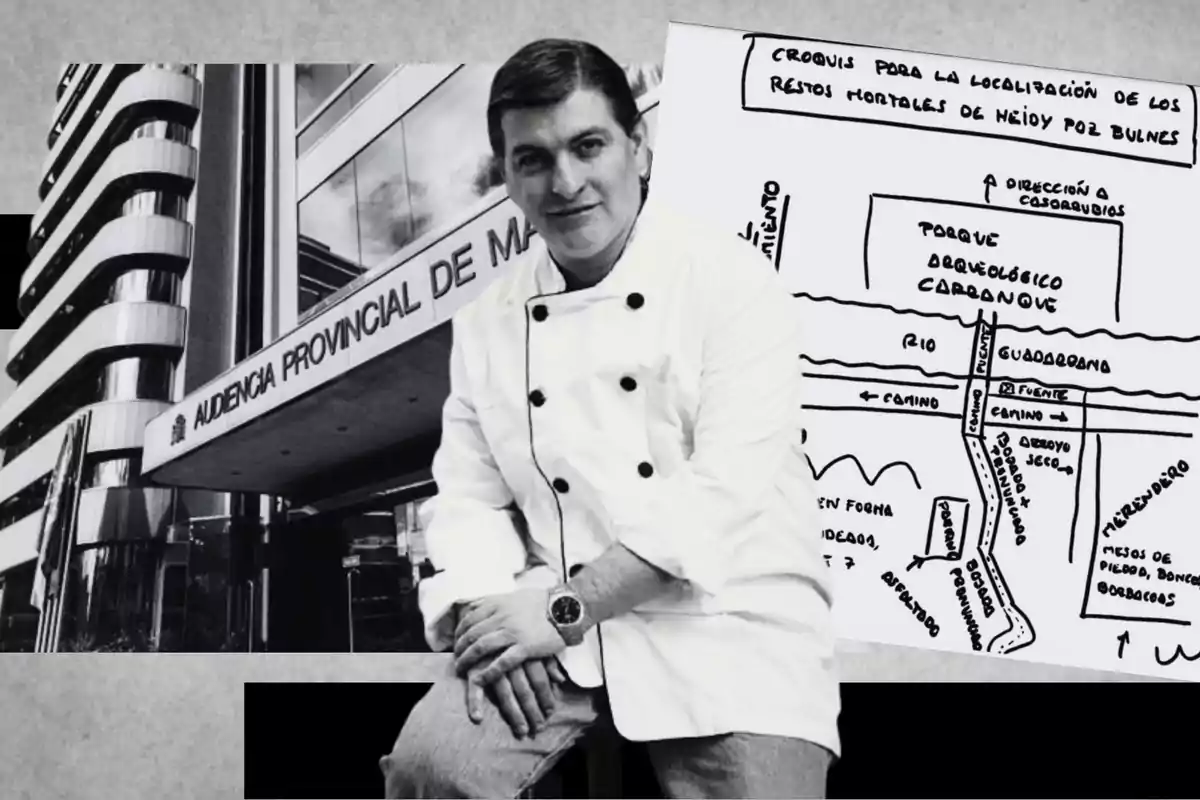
(694,465)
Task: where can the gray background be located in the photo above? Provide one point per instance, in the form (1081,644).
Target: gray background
(80,726)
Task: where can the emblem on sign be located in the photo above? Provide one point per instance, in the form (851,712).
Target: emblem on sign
(178,429)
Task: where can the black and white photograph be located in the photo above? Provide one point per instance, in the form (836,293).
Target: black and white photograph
(315,366)
(796,408)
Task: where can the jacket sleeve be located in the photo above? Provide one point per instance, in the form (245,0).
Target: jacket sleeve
(747,429)
(471,533)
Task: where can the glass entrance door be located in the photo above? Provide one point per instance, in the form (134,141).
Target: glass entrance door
(345,581)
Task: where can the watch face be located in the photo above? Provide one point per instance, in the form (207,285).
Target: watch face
(566,610)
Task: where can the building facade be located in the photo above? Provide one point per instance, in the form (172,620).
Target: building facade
(243,275)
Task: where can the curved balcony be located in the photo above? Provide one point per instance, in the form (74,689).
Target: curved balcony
(117,425)
(110,514)
(137,165)
(18,542)
(148,95)
(132,242)
(107,515)
(71,92)
(82,102)
(111,331)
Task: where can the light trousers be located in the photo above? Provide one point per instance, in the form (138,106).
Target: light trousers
(440,752)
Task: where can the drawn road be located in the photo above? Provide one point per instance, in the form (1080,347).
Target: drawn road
(985,405)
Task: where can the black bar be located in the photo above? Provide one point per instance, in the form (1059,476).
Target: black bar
(14,237)
(900,740)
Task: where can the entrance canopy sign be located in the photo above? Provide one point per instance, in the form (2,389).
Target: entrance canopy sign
(996,271)
(419,293)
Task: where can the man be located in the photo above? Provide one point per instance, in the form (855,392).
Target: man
(623,512)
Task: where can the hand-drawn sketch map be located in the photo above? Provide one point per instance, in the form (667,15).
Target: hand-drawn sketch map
(998,275)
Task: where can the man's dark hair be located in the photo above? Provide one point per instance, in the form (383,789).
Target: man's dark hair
(546,72)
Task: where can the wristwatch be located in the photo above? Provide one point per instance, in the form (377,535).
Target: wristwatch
(567,613)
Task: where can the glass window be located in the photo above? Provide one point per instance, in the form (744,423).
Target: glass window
(386,195)
(329,252)
(355,220)
(112,599)
(382,587)
(209,624)
(339,108)
(449,157)
(315,83)
(329,216)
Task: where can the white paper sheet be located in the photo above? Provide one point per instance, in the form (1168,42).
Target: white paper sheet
(998,271)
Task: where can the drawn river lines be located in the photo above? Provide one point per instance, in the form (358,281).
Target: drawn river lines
(980,382)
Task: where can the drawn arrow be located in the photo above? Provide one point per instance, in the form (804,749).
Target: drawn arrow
(1061,417)
(868,396)
(1122,640)
(988,183)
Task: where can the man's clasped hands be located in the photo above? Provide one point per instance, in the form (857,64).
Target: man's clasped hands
(505,645)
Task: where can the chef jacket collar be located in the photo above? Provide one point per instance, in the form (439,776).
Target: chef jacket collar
(540,276)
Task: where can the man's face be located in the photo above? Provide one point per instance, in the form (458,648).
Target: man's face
(574,173)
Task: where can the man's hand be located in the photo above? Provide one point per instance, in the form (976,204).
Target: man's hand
(525,697)
(512,627)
